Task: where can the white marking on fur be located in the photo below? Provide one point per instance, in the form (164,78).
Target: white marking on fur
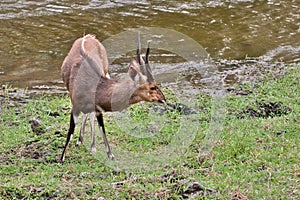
(100,109)
(107,149)
(75,119)
(82,45)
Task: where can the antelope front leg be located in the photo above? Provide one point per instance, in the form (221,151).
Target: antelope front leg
(101,124)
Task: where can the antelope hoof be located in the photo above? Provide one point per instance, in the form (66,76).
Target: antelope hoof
(78,143)
(62,160)
(93,149)
(111,156)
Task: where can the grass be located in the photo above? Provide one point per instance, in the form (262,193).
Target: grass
(255,157)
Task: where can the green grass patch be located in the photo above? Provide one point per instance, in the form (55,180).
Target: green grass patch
(255,157)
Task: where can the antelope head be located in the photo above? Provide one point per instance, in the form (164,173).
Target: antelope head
(148,89)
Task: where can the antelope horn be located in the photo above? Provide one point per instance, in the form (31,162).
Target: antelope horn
(148,69)
(140,60)
(138,50)
(144,61)
(147,52)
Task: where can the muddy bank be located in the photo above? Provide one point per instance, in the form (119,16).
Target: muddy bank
(229,74)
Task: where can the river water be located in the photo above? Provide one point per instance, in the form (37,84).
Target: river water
(36,35)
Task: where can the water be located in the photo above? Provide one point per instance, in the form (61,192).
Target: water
(36,35)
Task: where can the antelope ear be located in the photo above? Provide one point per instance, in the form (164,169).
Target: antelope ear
(132,69)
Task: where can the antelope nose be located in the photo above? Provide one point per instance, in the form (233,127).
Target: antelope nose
(162,100)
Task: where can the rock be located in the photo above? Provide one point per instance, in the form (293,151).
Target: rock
(195,189)
(36,126)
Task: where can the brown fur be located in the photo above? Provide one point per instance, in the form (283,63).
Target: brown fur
(85,73)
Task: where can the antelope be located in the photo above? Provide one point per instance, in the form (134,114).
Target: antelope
(91,90)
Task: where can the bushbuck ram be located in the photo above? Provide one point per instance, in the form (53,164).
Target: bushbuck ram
(85,73)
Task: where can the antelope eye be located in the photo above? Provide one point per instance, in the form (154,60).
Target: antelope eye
(153,88)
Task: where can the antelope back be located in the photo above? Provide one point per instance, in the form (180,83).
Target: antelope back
(83,48)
